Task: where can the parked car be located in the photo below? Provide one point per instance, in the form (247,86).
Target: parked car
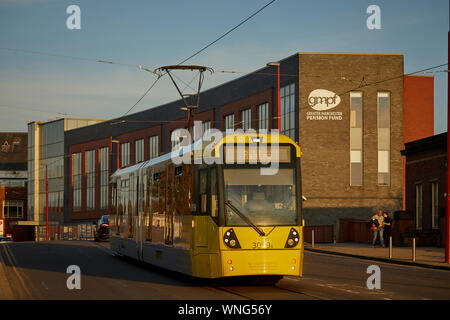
(101,231)
(6,239)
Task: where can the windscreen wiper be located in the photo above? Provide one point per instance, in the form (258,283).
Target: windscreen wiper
(244,217)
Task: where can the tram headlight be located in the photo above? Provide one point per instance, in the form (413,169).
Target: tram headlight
(230,239)
(293,239)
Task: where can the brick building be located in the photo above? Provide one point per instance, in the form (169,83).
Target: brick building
(13,191)
(346,110)
(426,185)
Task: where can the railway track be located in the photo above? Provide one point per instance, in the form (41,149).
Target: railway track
(271,292)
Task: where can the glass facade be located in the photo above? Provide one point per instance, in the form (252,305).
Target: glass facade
(263,116)
(31,171)
(153,142)
(287,96)
(46,151)
(50,162)
(356,139)
(384,138)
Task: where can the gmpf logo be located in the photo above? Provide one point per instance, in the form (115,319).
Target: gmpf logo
(321,99)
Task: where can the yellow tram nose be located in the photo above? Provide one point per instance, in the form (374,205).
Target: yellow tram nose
(253,254)
(261,262)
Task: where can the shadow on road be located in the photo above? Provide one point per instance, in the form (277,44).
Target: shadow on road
(98,261)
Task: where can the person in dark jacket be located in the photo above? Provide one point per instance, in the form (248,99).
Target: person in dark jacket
(387,227)
(377,227)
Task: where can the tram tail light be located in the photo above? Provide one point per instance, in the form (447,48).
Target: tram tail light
(293,239)
(230,239)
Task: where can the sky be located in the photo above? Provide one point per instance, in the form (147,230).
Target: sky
(157,33)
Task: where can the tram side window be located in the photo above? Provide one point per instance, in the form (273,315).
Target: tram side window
(203,182)
(214,200)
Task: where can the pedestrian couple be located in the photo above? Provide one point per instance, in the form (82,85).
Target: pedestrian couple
(381,225)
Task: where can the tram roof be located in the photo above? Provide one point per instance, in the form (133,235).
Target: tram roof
(229,138)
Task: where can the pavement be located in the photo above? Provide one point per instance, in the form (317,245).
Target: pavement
(427,257)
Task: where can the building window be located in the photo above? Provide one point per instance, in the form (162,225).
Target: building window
(246,119)
(356,139)
(419,212)
(263,116)
(13,209)
(153,142)
(124,154)
(229,122)
(76,178)
(90,179)
(104,174)
(139,148)
(177,138)
(206,126)
(287,95)
(435,204)
(384,138)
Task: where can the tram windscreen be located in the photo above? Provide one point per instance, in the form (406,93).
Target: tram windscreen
(265,199)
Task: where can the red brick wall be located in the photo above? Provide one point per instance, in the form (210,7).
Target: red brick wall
(418,107)
(97,145)
(252,102)
(183,123)
(14,193)
(425,167)
(131,137)
(418,112)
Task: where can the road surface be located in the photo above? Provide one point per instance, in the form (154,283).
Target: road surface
(38,271)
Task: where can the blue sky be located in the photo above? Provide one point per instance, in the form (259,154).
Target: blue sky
(156,33)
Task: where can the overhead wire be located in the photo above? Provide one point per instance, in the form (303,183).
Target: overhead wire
(207,46)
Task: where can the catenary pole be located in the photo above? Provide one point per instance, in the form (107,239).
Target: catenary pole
(447,219)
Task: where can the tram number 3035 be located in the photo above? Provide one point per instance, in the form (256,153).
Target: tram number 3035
(262,245)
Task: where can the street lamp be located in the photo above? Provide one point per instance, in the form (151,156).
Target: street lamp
(277,64)
(118,143)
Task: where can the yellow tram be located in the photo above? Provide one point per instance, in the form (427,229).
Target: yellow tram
(214,220)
